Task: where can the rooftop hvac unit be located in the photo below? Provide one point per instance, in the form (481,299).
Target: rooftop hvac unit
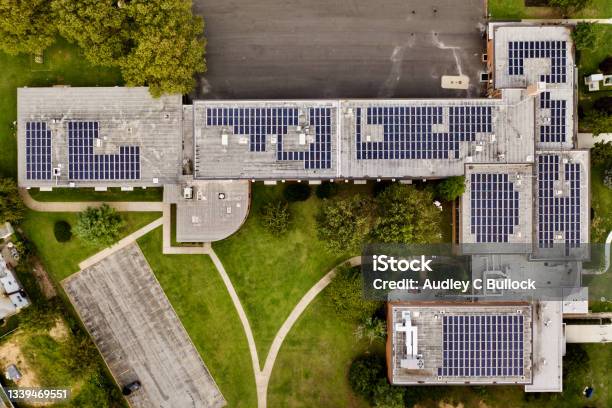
(564,160)
(479,148)
(188,193)
(501,156)
(98,142)
(302,138)
(243,140)
(559,192)
(298,128)
(224,139)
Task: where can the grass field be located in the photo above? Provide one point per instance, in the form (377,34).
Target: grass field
(64,64)
(271,274)
(89,194)
(516,10)
(200,299)
(312,366)
(62,259)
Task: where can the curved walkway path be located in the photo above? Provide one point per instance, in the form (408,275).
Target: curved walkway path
(78,206)
(262,377)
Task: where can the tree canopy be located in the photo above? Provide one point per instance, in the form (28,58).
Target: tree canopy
(598,122)
(26,26)
(451,188)
(568,7)
(606,65)
(12,208)
(343,224)
(155,43)
(99,226)
(406,215)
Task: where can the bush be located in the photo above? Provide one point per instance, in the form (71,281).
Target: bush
(569,7)
(296,192)
(62,231)
(585,36)
(364,373)
(451,188)
(604,105)
(326,190)
(606,65)
(12,208)
(275,217)
(345,292)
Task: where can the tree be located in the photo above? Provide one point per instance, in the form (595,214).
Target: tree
(296,192)
(345,292)
(597,122)
(12,208)
(364,373)
(26,26)
(406,215)
(100,27)
(585,36)
(155,43)
(343,224)
(604,105)
(606,65)
(569,7)
(385,395)
(372,329)
(451,188)
(275,217)
(326,190)
(601,155)
(99,226)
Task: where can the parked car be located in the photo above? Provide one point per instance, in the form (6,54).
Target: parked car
(131,387)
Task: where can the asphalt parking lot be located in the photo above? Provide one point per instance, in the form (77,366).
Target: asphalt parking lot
(139,335)
(344,48)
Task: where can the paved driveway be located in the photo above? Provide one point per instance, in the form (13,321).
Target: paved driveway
(341,48)
(139,335)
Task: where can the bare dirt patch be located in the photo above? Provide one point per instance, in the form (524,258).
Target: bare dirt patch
(59,332)
(10,353)
(43,280)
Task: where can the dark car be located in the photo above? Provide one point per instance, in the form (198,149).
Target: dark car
(131,387)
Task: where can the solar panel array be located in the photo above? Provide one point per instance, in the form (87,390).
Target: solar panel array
(555,131)
(556,213)
(556,51)
(84,164)
(494,207)
(408,131)
(482,346)
(38,151)
(260,122)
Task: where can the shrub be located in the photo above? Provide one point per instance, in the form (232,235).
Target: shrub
(364,373)
(345,292)
(296,192)
(12,208)
(326,190)
(451,188)
(604,105)
(62,231)
(606,65)
(275,217)
(585,36)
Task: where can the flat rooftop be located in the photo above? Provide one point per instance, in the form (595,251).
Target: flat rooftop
(459,343)
(117,136)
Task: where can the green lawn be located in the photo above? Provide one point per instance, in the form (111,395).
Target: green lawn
(64,64)
(311,368)
(201,301)
(516,10)
(271,274)
(89,194)
(62,259)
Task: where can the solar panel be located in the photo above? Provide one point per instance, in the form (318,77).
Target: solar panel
(494,207)
(555,130)
(556,51)
(482,346)
(38,151)
(84,164)
(558,213)
(257,123)
(412,132)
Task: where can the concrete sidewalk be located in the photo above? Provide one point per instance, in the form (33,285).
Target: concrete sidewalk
(78,206)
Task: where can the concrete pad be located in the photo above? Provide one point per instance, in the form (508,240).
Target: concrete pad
(138,333)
